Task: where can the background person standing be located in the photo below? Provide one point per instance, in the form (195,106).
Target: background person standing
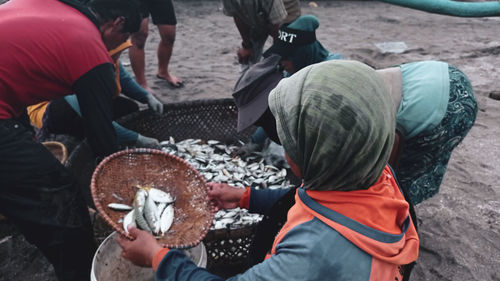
(163,15)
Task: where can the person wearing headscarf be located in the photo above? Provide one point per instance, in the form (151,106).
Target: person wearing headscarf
(435,109)
(350,220)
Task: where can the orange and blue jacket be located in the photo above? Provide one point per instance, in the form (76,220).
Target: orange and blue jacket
(361,235)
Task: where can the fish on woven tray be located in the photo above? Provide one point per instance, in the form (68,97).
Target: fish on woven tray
(153,210)
(215,162)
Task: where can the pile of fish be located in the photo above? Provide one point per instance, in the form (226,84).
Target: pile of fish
(214,161)
(153,210)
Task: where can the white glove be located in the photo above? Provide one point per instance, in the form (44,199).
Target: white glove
(154,104)
(146,142)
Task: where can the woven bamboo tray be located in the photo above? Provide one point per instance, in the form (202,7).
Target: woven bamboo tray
(116,178)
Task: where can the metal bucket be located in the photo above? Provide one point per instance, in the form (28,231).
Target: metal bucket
(109,265)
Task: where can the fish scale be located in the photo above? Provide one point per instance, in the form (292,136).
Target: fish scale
(147,214)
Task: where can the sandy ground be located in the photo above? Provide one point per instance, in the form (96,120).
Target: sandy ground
(459,227)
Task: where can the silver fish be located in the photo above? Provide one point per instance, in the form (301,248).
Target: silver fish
(129,220)
(139,202)
(167,218)
(120,207)
(160,196)
(150,212)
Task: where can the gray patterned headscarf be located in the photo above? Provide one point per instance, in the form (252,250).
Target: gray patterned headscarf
(336,123)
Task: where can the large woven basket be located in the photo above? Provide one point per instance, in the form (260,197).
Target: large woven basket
(205,119)
(116,178)
(202,119)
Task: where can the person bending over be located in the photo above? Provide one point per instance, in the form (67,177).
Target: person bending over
(38,63)
(298,47)
(435,109)
(63,115)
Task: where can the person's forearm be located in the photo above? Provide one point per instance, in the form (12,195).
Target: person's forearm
(259,136)
(130,87)
(262,200)
(124,135)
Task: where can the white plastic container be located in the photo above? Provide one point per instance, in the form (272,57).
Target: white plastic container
(109,265)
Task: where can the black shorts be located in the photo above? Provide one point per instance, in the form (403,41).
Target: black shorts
(162,11)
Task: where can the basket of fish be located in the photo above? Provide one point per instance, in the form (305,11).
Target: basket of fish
(154,191)
(203,134)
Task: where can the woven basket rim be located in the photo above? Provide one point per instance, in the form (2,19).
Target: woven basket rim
(183,104)
(119,229)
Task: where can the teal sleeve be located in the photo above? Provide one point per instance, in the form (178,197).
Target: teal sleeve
(130,87)
(426,90)
(259,136)
(124,135)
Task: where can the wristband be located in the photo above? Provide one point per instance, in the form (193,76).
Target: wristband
(245,199)
(158,257)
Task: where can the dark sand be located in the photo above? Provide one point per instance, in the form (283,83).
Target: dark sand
(459,227)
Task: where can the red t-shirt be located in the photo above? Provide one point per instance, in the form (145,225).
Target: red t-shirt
(45,47)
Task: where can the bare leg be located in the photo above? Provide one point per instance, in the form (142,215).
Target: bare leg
(165,48)
(137,54)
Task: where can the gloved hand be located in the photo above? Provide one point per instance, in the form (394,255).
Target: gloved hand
(274,154)
(154,104)
(247,149)
(146,142)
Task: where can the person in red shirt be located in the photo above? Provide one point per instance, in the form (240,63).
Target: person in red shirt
(38,63)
